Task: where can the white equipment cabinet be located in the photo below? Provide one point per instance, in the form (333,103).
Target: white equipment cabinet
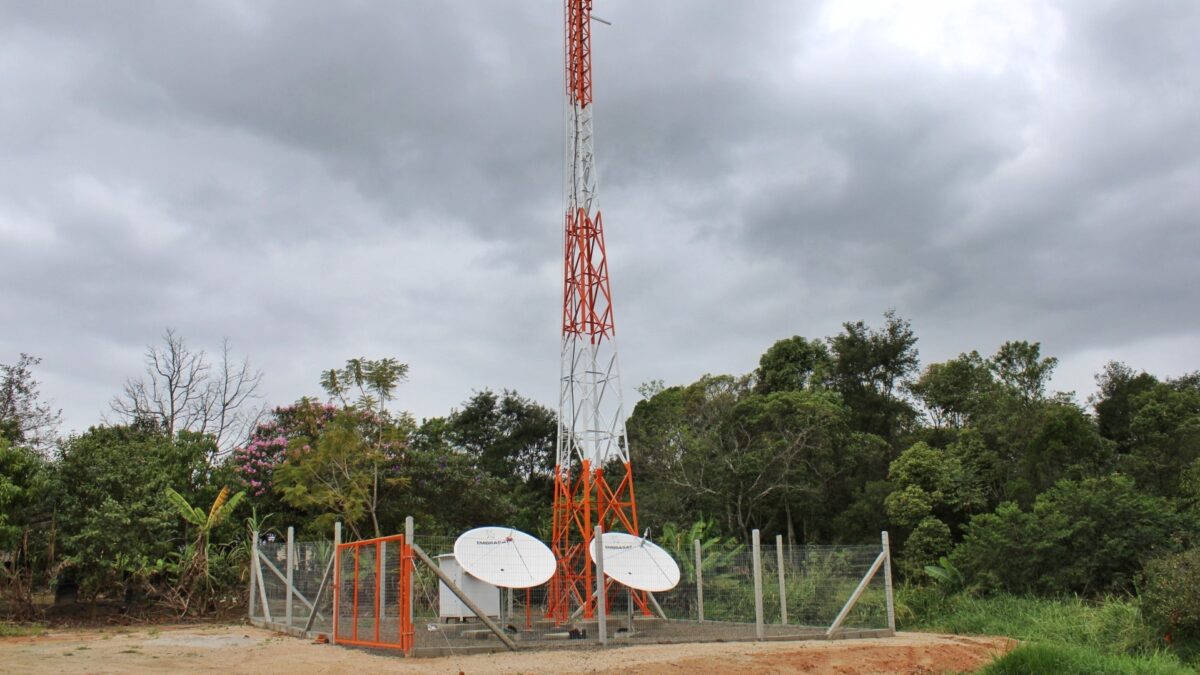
(483,594)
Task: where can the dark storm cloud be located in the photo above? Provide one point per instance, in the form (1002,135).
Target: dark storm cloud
(319,181)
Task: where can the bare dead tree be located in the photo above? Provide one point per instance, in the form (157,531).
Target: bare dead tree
(183,390)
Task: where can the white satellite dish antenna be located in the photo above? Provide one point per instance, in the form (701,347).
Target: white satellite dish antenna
(637,562)
(504,557)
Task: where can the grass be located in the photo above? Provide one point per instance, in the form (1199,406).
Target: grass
(21,629)
(1113,625)
(1064,659)
(1061,636)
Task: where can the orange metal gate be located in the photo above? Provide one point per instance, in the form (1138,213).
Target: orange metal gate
(372,593)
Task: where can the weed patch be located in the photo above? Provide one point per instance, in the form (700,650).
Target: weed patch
(21,629)
(1062,659)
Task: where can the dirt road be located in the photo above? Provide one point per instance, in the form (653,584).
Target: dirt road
(243,649)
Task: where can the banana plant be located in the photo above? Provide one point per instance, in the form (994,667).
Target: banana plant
(717,552)
(206,521)
(194,577)
(948,577)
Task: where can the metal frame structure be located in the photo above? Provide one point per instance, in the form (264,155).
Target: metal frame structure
(591,430)
(403,574)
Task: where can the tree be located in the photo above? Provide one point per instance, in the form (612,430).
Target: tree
(791,364)
(1089,536)
(297,426)
(933,490)
(870,368)
(787,452)
(1064,444)
(955,390)
(717,449)
(509,436)
(1019,366)
(347,472)
(1016,440)
(448,492)
(681,434)
(1164,434)
(500,444)
(929,482)
(329,461)
(183,390)
(1113,403)
(113,509)
(375,381)
(25,419)
(24,503)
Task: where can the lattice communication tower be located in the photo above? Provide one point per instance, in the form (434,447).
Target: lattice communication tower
(593,480)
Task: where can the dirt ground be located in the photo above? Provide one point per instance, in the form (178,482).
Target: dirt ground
(244,649)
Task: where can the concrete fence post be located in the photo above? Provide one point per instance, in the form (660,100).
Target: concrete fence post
(756,558)
(253,566)
(291,564)
(887,583)
(782,585)
(337,580)
(699,580)
(601,596)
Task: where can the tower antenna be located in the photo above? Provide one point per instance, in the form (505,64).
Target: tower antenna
(591,428)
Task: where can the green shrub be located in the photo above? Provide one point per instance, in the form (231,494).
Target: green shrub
(1171,594)
(1063,659)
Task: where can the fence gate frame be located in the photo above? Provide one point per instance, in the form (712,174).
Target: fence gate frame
(403,590)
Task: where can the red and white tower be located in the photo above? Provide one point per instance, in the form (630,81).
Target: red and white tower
(591,430)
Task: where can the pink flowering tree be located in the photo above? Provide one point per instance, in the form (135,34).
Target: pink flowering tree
(345,459)
(295,427)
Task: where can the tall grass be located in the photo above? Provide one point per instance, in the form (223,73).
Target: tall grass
(1113,626)
(1063,659)
(1062,636)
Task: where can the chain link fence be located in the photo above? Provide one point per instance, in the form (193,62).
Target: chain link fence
(311,606)
(783,592)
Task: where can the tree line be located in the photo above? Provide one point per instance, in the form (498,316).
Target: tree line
(970,462)
(977,470)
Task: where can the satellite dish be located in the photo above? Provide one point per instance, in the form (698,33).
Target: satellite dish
(504,557)
(637,562)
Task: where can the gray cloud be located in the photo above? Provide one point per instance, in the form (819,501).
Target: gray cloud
(320,181)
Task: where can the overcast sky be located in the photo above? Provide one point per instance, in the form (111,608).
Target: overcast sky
(321,180)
